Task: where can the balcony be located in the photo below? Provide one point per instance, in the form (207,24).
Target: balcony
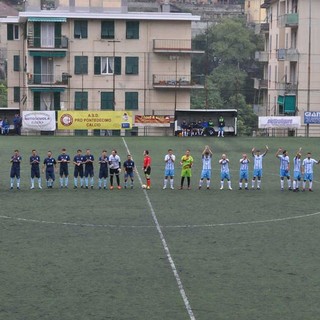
(287,88)
(262,56)
(291,54)
(178,46)
(290,20)
(47,43)
(48,79)
(262,28)
(178,81)
(260,84)
(266,4)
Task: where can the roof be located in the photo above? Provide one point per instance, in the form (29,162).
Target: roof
(6,10)
(155,16)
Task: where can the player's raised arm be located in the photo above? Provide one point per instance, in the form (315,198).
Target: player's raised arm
(277,153)
(253,150)
(299,152)
(266,151)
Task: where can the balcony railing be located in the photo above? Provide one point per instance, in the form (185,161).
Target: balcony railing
(178,81)
(47,43)
(262,28)
(262,56)
(291,54)
(287,88)
(290,20)
(260,84)
(48,79)
(178,45)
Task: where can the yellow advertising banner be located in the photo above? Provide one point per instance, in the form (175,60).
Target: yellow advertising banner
(94,120)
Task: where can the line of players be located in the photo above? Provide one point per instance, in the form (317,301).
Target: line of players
(303,170)
(111,165)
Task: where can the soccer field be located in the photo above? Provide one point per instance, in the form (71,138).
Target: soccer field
(159,254)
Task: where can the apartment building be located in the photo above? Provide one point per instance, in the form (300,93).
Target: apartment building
(95,55)
(255,14)
(291,62)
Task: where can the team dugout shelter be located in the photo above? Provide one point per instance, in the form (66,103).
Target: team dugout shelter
(205,121)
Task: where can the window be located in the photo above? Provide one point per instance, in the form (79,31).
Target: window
(81,29)
(81,100)
(131,102)
(80,65)
(132,65)
(103,65)
(16,63)
(16,94)
(107,102)
(107,29)
(47,35)
(132,30)
(47,73)
(107,65)
(12,31)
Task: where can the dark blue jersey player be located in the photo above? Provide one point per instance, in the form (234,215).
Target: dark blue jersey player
(64,160)
(15,169)
(35,168)
(49,166)
(88,169)
(78,168)
(103,171)
(128,166)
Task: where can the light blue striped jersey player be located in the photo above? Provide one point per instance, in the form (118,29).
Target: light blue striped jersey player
(308,165)
(206,162)
(257,161)
(169,159)
(224,165)
(244,164)
(296,164)
(284,162)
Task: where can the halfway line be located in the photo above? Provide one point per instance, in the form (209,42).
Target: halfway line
(166,248)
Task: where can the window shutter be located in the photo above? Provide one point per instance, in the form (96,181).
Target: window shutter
(131,101)
(9,31)
(37,34)
(107,29)
(107,101)
(37,70)
(16,94)
(117,65)
(56,100)
(97,65)
(36,101)
(16,63)
(57,35)
(81,100)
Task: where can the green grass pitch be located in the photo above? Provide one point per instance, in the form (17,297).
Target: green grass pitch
(96,254)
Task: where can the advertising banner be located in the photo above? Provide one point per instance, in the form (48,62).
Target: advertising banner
(91,120)
(154,121)
(312,117)
(39,120)
(279,122)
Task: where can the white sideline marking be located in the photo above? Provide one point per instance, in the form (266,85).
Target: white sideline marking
(166,248)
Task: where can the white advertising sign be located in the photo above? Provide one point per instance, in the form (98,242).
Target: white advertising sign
(39,120)
(279,122)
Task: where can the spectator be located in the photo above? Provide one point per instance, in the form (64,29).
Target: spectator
(221,125)
(17,123)
(5,126)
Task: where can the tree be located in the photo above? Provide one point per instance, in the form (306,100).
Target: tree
(228,64)
(3,94)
